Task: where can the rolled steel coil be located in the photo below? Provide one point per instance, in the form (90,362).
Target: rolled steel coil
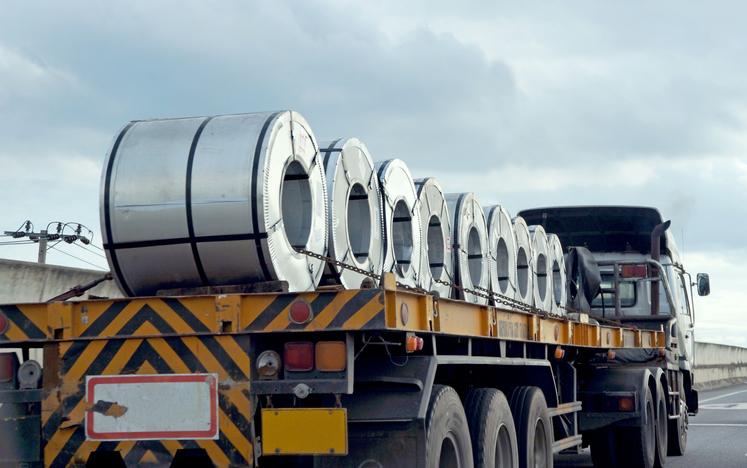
(469,234)
(557,266)
(401,222)
(354,206)
(524,258)
(541,269)
(502,251)
(214,201)
(438,261)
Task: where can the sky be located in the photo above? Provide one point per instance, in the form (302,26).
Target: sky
(525,103)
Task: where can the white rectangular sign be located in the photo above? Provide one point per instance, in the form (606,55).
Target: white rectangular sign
(152,407)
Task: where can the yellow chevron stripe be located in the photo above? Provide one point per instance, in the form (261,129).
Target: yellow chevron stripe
(203,308)
(323,318)
(59,438)
(86,357)
(364,314)
(171,317)
(121,319)
(36,313)
(250,310)
(239,356)
(214,452)
(235,436)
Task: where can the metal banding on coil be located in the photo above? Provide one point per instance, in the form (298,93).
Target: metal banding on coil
(401,221)
(469,234)
(524,267)
(354,207)
(502,263)
(438,261)
(541,269)
(557,268)
(214,201)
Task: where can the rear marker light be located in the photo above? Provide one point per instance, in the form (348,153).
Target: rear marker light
(413,343)
(633,271)
(300,312)
(299,356)
(626,404)
(268,364)
(331,356)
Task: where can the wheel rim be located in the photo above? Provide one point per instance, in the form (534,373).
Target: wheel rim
(448,458)
(540,445)
(684,421)
(503,448)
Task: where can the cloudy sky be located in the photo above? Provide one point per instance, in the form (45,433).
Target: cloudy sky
(527,103)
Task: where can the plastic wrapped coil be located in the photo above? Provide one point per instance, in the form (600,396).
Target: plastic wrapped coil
(524,254)
(401,221)
(438,262)
(354,206)
(214,201)
(469,235)
(557,267)
(502,251)
(541,269)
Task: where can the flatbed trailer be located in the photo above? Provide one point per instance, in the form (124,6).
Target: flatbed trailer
(386,364)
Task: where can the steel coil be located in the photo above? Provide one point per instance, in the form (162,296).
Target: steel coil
(438,262)
(214,201)
(524,254)
(354,206)
(502,251)
(557,267)
(541,269)
(401,222)
(469,234)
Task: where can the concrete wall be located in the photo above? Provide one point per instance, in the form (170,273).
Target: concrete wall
(718,365)
(33,282)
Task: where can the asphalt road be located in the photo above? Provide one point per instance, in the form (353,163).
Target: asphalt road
(717,437)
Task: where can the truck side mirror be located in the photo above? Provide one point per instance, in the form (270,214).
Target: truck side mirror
(704,284)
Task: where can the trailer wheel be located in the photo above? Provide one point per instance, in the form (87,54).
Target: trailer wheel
(678,432)
(662,422)
(447,441)
(492,429)
(640,442)
(534,429)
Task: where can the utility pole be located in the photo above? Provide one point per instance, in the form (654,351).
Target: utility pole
(42,247)
(43,236)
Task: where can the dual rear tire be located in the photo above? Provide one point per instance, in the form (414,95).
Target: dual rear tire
(488,431)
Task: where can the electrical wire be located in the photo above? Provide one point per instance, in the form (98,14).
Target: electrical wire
(78,258)
(22,242)
(89,251)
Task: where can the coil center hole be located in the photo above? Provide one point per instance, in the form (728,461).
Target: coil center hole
(297,209)
(402,236)
(435,246)
(359,222)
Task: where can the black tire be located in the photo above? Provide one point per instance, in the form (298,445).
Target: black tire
(678,432)
(603,445)
(638,444)
(662,424)
(534,431)
(492,429)
(447,442)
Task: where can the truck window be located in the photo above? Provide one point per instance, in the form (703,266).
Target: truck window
(627,294)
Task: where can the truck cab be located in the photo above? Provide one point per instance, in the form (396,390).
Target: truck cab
(643,283)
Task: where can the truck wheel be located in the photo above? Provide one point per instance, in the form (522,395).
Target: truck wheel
(662,422)
(534,432)
(678,432)
(492,429)
(639,443)
(447,442)
(603,446)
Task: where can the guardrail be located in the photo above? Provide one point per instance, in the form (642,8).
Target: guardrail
(718,365)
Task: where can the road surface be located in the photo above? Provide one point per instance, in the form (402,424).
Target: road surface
(717,436)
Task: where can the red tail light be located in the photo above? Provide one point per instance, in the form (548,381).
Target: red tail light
(8,366)
(300,312)
(633,271)
(299,356)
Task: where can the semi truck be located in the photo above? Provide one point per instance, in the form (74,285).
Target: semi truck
(382,376)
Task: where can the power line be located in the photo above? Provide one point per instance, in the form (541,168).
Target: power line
(90,251)
(77,258)
(17,243)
